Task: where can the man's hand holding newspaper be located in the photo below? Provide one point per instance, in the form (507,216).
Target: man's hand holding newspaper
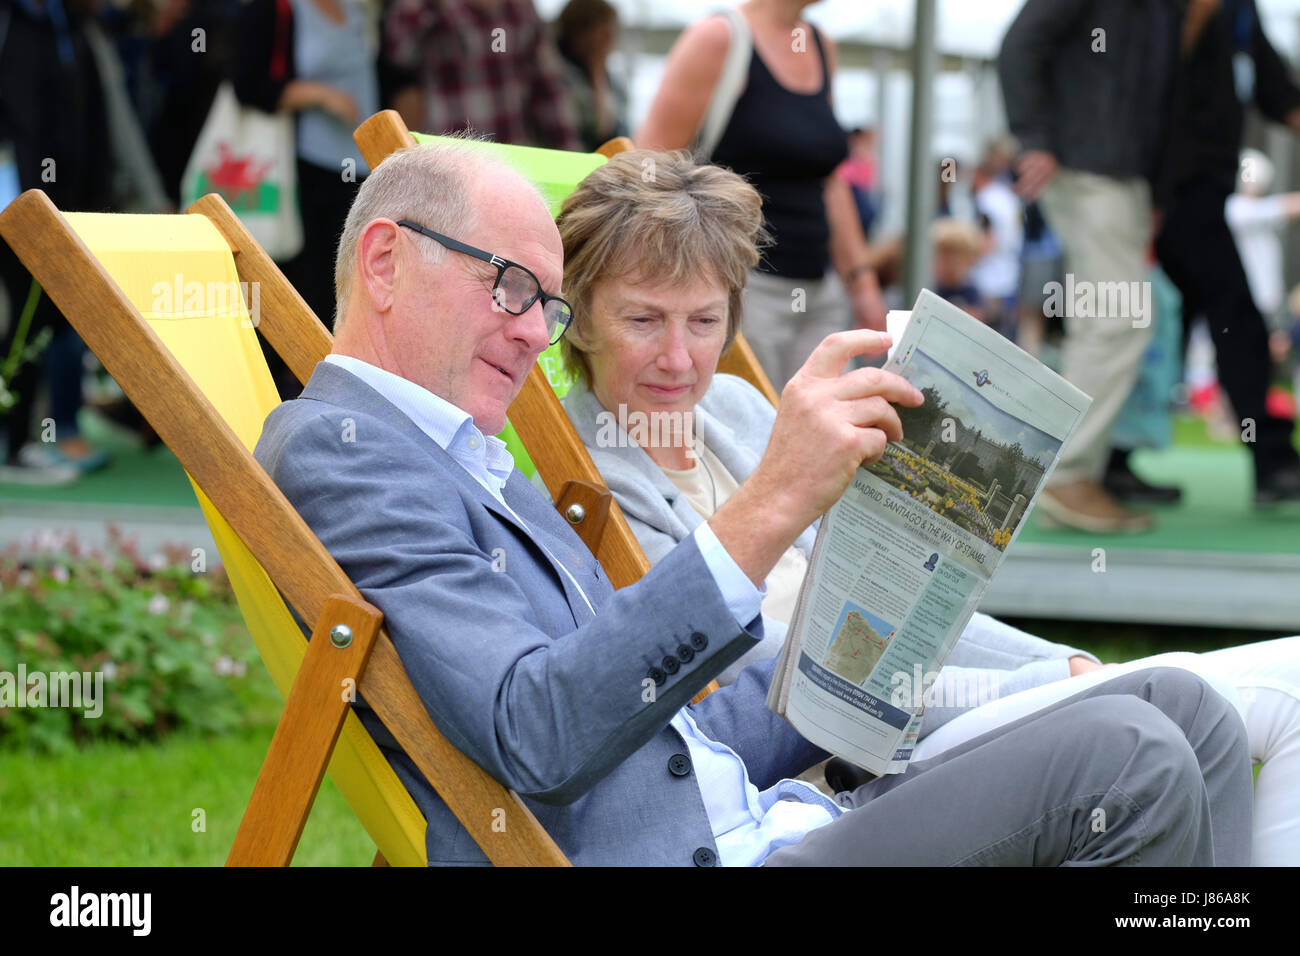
(827,426)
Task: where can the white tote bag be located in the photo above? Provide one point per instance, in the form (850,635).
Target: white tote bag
(735,70)
(247,156)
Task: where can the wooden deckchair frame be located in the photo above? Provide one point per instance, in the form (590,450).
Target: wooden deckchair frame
(348,638)
(305,573)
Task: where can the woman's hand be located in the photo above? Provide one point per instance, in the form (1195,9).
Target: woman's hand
(1081,665)
(340,104)
(306,95)
(868,304)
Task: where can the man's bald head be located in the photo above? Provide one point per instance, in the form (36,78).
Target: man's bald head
(427,314)
(439,186)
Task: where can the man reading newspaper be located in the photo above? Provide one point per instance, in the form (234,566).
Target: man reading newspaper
(577,696)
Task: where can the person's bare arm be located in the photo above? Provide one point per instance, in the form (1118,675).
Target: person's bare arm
(852,256)
(828,424)
(690,76)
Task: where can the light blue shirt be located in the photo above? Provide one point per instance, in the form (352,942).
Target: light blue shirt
(485,457)
(747,825)
(337,55)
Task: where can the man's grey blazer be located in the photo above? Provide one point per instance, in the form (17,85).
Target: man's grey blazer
(735,421)
(569,708)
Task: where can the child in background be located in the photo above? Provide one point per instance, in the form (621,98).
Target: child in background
(1257,220)
(1285,344)
(860,171)
(957,246)
(1001,214)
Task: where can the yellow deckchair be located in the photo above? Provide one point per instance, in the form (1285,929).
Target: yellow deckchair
(157,298)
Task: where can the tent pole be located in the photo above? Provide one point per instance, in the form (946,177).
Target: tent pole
(921,172)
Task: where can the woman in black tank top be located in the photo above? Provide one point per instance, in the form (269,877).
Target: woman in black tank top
(786,143)
(784,138)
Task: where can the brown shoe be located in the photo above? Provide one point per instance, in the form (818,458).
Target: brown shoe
(1085,506)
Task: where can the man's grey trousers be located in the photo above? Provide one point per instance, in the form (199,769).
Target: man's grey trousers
(1150,768)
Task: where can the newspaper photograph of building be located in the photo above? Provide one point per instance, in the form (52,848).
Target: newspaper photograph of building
(980,477)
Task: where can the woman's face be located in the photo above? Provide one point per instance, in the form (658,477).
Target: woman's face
(656,346)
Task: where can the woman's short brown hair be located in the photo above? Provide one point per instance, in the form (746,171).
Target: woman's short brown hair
(654,216)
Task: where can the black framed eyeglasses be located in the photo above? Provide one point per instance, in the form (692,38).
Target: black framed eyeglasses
(515,289)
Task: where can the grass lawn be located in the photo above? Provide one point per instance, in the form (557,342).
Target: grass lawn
(120,804)
(116,804)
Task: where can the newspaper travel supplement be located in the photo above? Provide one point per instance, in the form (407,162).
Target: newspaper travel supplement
(903,558)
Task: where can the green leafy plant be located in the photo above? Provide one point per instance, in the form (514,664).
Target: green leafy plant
(169,642)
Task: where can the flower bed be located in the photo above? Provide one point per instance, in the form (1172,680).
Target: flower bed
(150,644)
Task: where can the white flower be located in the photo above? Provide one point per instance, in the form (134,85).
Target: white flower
(157,561)
(237,668)
(223,665)
(108,669)
(158,604)
(59,573)
(25,577)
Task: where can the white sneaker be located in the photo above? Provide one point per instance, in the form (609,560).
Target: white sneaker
(36,466)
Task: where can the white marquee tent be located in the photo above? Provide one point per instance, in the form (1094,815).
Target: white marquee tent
(964,104)
(965,27)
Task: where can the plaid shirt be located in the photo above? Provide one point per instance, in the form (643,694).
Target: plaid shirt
(489,66)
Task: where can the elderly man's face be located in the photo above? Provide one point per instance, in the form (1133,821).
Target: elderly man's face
(452,339)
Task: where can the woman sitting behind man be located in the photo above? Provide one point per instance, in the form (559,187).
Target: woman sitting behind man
(645,347)
(655,266)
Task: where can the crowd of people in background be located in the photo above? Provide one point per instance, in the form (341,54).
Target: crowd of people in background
(1123,166)
(101,106)
(1120,174)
